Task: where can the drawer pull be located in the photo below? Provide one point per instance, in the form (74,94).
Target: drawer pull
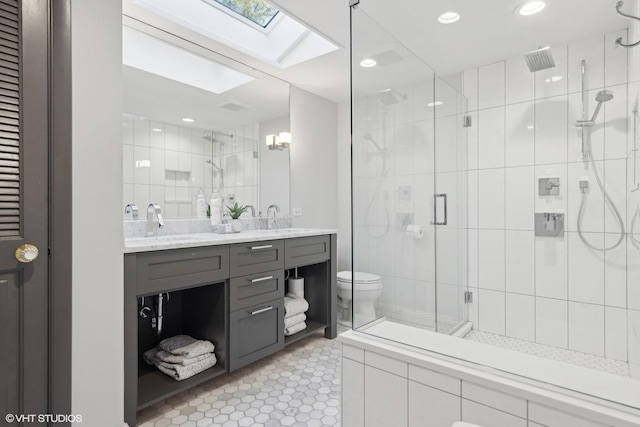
(255,248)
(262,279)
(262,310)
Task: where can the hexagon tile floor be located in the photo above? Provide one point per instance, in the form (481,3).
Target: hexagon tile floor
(299,386)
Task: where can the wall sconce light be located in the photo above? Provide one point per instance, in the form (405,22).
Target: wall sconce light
(279,142)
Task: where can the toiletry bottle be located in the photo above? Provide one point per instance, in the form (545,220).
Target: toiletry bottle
(201,205)
(216,208)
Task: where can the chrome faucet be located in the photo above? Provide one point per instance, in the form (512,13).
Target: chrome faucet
(252,209)
(133,209)
(271,222)
(151,210)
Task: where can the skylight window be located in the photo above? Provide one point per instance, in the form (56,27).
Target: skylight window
(282,41)
(257,11)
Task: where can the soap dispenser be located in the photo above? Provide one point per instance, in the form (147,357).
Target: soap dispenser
(216,208)
(201,205)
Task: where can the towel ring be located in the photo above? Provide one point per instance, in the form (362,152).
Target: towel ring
(619,39)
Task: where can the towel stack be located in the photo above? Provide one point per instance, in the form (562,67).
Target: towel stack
(181,356)
(294,314)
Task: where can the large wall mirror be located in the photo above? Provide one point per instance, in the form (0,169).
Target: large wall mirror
(195,121)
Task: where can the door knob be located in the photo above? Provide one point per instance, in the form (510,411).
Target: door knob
(27,253)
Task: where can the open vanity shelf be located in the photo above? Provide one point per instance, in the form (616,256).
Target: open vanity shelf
(231,295)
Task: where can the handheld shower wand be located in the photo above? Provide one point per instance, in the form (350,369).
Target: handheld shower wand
(587,125)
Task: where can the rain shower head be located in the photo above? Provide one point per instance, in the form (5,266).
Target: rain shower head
(368,137)
(209,137)
(539,59)
(390,97)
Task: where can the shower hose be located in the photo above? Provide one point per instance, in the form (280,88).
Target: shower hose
(609,201)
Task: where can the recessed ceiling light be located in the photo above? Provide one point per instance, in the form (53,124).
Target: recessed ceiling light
(448,18)
(188,120)
(553,79)
(531,7)
(368,63)
(435,104)
(156,130)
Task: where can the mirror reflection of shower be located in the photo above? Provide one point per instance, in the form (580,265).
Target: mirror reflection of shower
(214,167)
(587,125)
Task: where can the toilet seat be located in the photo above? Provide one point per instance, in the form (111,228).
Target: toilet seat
(363,281)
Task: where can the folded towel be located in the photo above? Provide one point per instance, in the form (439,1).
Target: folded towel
(295,329)
(294,305)
(294,320)
(149,356)
(184,345)
(179,372)
(163,356)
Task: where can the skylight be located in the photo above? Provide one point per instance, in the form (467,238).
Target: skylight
(285,42)
(257,11)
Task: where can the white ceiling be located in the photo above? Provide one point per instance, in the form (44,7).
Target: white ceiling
(488,31)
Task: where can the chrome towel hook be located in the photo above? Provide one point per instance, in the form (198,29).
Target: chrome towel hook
(619,39)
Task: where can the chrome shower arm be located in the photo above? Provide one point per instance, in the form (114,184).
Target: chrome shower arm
(619,39)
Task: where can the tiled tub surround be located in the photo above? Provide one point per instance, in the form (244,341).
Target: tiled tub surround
(552,291)
(167,164)
(386,384)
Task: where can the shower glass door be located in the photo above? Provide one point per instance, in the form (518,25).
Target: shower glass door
(408,178)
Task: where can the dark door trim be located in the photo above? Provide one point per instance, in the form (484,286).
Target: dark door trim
(60,256)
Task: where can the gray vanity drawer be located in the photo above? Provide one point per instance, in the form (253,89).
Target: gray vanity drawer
(180,268)
(251,290)
(307,250)
(256,257)
(255,332)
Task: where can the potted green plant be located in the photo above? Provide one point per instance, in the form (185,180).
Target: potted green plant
(234,212)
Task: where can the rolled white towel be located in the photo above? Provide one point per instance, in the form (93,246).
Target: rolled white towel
(294,305)
(295,329)
(184,345)
(179,372)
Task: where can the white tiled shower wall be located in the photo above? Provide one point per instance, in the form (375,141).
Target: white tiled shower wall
(552,290)
(168,166)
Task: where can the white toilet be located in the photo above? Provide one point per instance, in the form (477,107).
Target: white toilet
(368,289)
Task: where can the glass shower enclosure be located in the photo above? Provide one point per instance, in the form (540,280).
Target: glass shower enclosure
(409,165)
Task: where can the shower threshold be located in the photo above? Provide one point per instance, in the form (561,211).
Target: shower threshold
(577,358)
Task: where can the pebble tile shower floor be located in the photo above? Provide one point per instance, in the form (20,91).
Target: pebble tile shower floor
(299,386)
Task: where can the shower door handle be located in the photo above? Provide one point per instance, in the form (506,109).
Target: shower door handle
(435,209)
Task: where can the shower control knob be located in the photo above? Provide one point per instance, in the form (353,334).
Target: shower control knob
(27,253)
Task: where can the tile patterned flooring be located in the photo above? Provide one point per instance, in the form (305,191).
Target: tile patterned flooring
(298,386)
(560,354)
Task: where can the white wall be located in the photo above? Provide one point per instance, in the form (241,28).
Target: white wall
(550,290)
(344,186)
(314,156)
(97,343)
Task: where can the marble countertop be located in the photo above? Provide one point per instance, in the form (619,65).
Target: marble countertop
(177,241)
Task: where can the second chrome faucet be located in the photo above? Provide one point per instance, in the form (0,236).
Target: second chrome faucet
(153,209)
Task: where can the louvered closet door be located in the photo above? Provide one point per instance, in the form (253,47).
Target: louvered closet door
(23,207)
